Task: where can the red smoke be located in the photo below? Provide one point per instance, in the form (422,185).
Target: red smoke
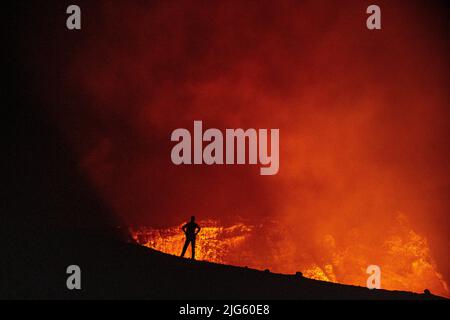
(363,116)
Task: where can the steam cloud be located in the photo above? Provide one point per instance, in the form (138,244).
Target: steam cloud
(363,115)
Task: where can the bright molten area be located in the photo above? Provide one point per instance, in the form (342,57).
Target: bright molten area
(403,256)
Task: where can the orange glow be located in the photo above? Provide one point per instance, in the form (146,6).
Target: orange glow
(404,256)
(363,119)
(214,243)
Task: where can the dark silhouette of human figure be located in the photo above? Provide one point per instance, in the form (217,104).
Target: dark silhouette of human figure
(190,229)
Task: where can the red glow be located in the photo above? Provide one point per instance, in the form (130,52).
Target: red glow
(363,119)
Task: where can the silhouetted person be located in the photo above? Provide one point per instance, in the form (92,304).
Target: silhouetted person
(190,229)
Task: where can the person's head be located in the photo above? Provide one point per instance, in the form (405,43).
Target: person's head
(192,218)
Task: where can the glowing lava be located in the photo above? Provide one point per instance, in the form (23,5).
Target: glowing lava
(214,243)
(404,255)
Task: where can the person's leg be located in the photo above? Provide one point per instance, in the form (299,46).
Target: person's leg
(186,244)
(193,248)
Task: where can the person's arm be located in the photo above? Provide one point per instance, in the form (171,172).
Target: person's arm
(197,229)
(184,228)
